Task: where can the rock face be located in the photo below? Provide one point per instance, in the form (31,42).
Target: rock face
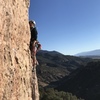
(17,82)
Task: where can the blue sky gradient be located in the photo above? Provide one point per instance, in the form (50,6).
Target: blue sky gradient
(67,26)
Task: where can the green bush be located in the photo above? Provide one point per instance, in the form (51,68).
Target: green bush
(51,94)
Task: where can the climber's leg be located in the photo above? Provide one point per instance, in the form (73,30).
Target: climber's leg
(34,49)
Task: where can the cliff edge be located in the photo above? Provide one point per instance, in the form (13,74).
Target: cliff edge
(17,82)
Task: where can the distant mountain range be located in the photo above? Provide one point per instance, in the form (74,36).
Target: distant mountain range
(91,54)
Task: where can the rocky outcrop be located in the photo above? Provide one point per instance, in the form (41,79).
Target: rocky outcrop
(17,82)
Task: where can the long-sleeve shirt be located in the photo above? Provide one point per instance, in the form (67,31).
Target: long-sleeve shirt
(34,33)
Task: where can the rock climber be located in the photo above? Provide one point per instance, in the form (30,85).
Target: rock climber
(34,43)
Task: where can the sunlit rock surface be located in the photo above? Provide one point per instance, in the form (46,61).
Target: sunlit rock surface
(17,82)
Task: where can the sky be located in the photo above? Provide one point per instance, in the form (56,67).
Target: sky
(67,26)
